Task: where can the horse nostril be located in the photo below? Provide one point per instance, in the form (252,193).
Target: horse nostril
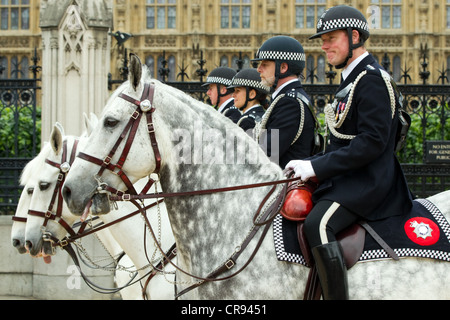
(28,244)
(66,193)
(16,243)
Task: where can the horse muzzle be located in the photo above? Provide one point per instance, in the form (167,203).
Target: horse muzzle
(39,248)
(78,203)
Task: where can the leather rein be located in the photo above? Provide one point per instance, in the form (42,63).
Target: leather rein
(65,243)
(145,106)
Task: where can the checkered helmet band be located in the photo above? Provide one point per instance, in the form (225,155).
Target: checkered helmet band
(337,24)
(219,80)
(281,55)
(239,82)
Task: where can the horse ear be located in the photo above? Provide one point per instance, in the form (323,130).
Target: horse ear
(86,123)
(135,70)
(89,123)
(93,119)
(56,137)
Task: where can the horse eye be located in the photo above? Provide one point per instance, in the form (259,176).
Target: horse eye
(44,186)
(110,122)
(30,191)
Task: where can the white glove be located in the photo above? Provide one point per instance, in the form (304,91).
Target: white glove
(302,169)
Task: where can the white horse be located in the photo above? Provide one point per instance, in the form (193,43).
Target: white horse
(200,149)
(28,181)
(112,237)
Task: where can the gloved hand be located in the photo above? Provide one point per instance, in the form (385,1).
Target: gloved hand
(302,169)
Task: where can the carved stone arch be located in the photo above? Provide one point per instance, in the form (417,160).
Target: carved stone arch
(73,29)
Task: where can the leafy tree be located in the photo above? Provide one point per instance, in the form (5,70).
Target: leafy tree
(22,121)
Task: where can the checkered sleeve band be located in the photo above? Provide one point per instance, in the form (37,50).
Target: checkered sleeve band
(345,23)
(280,55)
(224,81)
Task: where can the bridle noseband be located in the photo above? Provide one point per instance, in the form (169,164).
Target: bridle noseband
(143,106)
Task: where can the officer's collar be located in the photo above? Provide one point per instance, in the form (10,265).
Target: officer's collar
(346,72)
(223,105)
(277,92)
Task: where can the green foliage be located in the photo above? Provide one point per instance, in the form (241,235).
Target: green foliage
(434,130)
(413,150)
(22,121)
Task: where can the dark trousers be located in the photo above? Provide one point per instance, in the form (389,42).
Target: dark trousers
(326,219)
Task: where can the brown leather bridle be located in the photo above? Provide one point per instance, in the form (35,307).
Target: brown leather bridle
(57,198)
(145,105)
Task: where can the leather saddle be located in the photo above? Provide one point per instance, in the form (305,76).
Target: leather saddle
(351,241)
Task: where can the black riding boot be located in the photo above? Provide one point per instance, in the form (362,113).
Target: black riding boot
(332,271)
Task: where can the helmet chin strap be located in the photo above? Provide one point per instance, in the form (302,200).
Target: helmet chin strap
(351,47)
(219,95)
(278,74)
(247,98)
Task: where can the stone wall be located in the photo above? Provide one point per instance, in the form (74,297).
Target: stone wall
(22,275)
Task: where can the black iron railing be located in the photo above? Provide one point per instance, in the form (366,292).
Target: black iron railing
(427,104)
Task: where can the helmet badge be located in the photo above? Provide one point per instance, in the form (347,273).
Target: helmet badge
(319,23)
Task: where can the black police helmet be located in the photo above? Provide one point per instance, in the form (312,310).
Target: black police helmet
(249,78)
(283,49)
(220,75)
(346,18)
(342,17)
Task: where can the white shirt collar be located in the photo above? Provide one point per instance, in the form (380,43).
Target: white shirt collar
(281,87)
(351,66)
(222,106)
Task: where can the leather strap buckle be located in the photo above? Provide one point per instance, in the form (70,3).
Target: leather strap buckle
(229,264)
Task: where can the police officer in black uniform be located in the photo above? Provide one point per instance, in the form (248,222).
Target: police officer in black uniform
(282,60)
(220,95)
(359,174)
(250,97)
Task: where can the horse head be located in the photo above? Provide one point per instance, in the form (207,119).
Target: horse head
(28,181)
(44,213)
(84,189)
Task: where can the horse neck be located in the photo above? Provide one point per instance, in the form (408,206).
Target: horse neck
(442,202)
(215,223)
(133,236)
(129,235)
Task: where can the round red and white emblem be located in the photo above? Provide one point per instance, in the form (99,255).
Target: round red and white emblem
(422,231)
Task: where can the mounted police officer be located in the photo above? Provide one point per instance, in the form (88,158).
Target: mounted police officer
(220,95)
(250,97)
(282,60)
(359,174)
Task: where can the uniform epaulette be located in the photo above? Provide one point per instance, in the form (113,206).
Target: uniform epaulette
(372,70)
(292,94)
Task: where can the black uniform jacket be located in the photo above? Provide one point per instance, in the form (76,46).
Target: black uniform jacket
(363,174)
(230,111)
(250,117)
(285,117)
